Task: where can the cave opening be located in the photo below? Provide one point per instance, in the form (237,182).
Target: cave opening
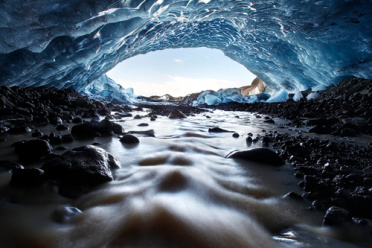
(179,72)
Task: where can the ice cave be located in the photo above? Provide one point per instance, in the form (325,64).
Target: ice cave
(85,164)
(289,44)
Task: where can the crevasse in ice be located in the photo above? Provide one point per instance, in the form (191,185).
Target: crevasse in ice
(291,44)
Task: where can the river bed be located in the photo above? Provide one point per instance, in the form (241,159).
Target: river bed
(176,189)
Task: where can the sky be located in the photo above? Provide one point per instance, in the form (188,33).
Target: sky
(179,72)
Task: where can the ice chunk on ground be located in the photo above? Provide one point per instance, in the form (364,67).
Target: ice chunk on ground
(298,96)
(105,88)
(312,96)
(280,96)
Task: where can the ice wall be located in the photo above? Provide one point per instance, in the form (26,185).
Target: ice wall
(291,44)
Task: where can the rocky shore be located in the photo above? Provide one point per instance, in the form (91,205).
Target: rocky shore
(336,176)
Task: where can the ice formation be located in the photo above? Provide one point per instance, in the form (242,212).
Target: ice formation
(292,44)
(211,97)
(105,88)
(297,96)
(280,96)
(312,96)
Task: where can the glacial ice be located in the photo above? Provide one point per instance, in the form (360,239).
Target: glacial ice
(312,96)
(105,88)
(280,96)
(297,96)
(293,44)
(211,97)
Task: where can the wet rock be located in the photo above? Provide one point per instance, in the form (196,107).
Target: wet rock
(137,117)
(64,214)
(106,127)
(176,114)
(235,135)
(129,139)
(37,134)
(218,130)
(67,138)
(55,120)
(61,127)
(321,129)
(249,141)
(149,133)
(80,169)
(143,125)
(19,130)
(271,121)
(6,166)
(89,130)
(293,196)
(336,216)
(77,120)
(259,155)
(84,131)
(27,177)
(32,150)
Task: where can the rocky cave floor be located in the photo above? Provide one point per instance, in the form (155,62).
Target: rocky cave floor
(336,175)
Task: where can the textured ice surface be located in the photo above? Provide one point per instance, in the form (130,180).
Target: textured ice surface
(292,44)
(106,88)
(312,95)
(298,96)
(211,97)
(280,96)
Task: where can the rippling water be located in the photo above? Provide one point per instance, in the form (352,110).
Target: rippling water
(173,190)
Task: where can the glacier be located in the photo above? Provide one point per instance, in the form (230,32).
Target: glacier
(211,97)
(289,44)
(104,88)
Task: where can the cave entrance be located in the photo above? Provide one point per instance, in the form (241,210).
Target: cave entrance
(179,72)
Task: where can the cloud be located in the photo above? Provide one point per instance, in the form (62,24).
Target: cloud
(178,60)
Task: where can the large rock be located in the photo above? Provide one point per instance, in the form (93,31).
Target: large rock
(32,150)
(92,129)
(257,86)
(80,169)
(336,216)
(259,155)
(24,178)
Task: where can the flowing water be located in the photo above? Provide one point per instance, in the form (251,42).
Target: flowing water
(176,189)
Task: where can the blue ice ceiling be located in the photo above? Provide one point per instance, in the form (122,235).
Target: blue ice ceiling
(292,44)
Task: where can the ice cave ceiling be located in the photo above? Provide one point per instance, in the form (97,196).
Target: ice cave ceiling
(293,44)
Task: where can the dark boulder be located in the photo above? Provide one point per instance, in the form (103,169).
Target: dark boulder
(106,127)
(19,130)
(129,139)
(32,150)
(77,120)
(89,130)
(84,131)
(259,155)
(27,177)
(218,130)
(6,166)
(61,127)
(176,114)
(336,216)
(78,170)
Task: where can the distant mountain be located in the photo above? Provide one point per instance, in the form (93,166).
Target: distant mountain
(257,86)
